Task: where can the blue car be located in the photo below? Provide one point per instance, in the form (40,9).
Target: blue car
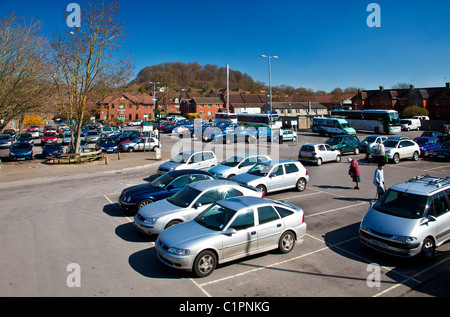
(134,198)
(442,152)
(107,145)
(427,145)
(52,149)
(21,151)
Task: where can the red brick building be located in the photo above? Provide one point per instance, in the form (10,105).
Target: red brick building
(207,106)
(127,107)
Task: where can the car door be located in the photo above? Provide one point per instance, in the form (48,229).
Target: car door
(269,227)
(330,154)
(442,214)
(246,164)
(244,240)
(291,175)
(275,179)
(195,162)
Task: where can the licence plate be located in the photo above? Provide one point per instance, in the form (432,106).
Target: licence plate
(378,243)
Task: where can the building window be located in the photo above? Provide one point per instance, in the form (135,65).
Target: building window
(137,116)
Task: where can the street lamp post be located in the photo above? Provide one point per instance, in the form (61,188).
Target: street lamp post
(270,84)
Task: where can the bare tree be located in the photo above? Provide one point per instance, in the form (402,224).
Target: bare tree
(86,62)
(24,82)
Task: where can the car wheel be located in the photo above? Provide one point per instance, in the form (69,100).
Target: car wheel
(396,158)
(301,184)
(427,153)
(231,175)
(263,189)
(130,149)
(338,158)
(356,151)
(287,242)
(428,249)
(415,156)
(144,202)
(172,223)
(204,263)
(319,161)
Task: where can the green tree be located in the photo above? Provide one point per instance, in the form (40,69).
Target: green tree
(412,111)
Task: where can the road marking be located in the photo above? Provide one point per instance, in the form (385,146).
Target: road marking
(336,209)
(115,206)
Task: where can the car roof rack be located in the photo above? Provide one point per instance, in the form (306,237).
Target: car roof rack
(431,180)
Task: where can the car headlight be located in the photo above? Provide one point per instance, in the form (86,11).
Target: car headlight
(404,239)
(128,199)
(178,251)
(151,221)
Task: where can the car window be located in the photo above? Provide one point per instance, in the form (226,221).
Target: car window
(321,147)
(208,197)
(267,214)
(283,211)
(327,147)
(229,193)
(196,158)
(440,204)
(291,168)
(262,159)
(244,220)
(199,177)
(277,171)
(248,162)
(207,156)
(181,181)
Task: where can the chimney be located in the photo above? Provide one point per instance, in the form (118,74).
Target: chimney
(411,87)
(447,85)
(381,88)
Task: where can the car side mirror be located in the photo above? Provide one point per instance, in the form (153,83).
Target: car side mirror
(229,232)
(197,205)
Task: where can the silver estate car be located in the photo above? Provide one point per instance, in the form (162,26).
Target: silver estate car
(411,218)
(229,230)
(196,159)
(186,204)
(276,175)
(318,153)
(237,164)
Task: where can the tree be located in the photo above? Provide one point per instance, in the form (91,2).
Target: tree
(412,111)
(87,64)
(24,83)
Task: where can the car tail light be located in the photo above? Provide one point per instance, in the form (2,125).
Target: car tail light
(306,171)
(314,154)
(303,217)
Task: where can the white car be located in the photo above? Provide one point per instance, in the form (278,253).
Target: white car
(186,204)
(318,153)
(196,160)
(237,164)
(397,150)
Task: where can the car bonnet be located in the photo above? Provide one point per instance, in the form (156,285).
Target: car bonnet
(185,235)
(158,209)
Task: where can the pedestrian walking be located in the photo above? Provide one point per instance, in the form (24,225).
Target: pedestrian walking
(354,172)
(378,180)
(380,153)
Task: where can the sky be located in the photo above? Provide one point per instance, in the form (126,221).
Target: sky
(320,44)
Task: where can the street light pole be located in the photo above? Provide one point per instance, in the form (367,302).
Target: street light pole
(270,83)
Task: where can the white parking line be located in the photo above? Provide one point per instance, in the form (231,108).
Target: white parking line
(336,209)
(115,206)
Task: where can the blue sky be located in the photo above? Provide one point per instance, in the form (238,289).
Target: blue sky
(320,44)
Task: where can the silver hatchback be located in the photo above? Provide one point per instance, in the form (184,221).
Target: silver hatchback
(273,176)
(318,153)
(411,218)
(229,230)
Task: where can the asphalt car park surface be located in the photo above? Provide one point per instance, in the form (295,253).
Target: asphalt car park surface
(48,224)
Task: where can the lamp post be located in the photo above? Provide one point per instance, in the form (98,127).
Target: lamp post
(154,109)
(270,84)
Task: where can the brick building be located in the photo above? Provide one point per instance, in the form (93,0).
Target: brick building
(127,107)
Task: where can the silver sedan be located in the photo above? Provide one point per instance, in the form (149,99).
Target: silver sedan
(229,230)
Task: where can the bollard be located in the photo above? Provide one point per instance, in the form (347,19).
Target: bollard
(106,160)
(118,155)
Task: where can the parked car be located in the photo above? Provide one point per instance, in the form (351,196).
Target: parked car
(422,118)
(431,133)
(11,132)
(92,136)
(21,151)
(397,150)
(134,198)
(196,159)
(273,176)
(26,137)
(187,203)
(427,145)
(289,135)
(83,145)
(34,131)
(67,137)
(411,218)
(52,149)
(139,144)
(107,145)
(442,152)
(372,140)
(237,164)
(6,140)
(345,143)
(228,230)
(318,153)
(410,124)
(135,123)
(49,137)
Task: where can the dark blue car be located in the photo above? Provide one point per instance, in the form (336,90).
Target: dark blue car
(107,145)
(21,151)
(134,198)
(52,149)
(427,145)
(442,152)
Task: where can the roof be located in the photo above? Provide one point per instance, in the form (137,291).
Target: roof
(177,173)
(275,162)
(207,184)
(423,185)
(297,105)
(237,203)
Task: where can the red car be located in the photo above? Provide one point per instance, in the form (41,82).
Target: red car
(49,137)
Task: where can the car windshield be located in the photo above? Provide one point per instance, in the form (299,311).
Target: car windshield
(390,143)
(232,161)
(334,140)
(163,181)
(4,137)
(307,148)
(260,170)
(345,125)
(370,139)
(52,146)
(20,146)
(401,204)
(180,158)
(108,141)
(49,134)
(445,145)
(215,217)
(184,197)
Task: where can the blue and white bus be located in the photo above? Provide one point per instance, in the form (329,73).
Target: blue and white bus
(331,126)
(377,121)
(260,119)
(224,117)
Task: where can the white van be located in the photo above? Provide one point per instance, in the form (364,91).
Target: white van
(410,124)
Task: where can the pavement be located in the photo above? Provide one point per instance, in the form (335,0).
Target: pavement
(116,162)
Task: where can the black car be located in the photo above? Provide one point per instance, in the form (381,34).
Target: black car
(26,137)
(442,152)
(134,198)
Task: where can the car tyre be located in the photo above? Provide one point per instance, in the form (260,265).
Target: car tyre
(338,158)
(204,263)
(428,249)
(144,202)
(396,158)
(130,149)
(415,156)
(319,161)
(356,151)
(287,242)
(263,189)
(173,223)
(301,184)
